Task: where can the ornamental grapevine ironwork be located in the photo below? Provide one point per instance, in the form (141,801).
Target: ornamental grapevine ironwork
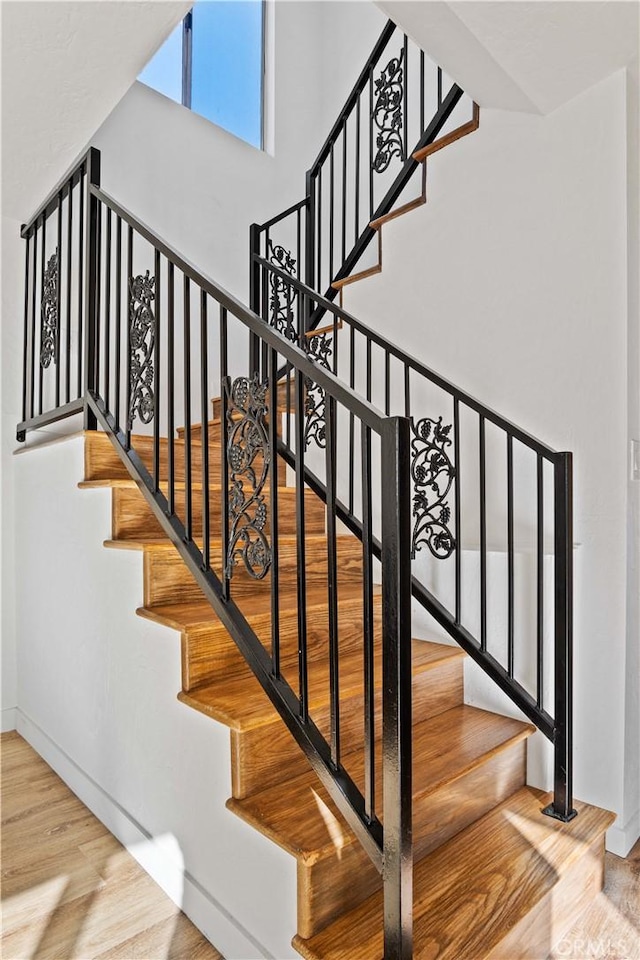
(433,474)
(283,295)
(142,338)
(318,349)
(49,313)
(248,456)
(387,113)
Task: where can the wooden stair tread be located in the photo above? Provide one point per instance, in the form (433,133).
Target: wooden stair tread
(475,888)
(240,703)
(450,138)
(301,818)
(345,544)
(200,613)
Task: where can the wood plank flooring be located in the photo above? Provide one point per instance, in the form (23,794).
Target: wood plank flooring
(69,890)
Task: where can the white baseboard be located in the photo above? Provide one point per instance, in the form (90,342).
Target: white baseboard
(8,719)
(620,840)
(226,933)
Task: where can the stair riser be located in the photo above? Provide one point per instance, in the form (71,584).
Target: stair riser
(216,403)
(167,580)
(206,656)
(213,665)
(261,757)
(215,430)
(132,518)
(103,463)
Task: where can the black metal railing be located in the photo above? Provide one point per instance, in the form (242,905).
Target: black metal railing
(491,525)
(159,340)
(400,103)
(53,373)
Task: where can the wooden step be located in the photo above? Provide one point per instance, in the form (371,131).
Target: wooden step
(102,461)
(132,517)
(437,687)
(205,637)
(507,887)
(450,138)
(465,761)
(161,556)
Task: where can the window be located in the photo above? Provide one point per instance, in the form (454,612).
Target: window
(213,64)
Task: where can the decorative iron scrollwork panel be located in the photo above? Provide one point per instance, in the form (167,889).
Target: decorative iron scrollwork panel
(142,339)
(387,113)
(433,474)
(49,313)
(319,349)
(283,296)
(248,457)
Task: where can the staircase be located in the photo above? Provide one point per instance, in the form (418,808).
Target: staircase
(493,878)
(288,525)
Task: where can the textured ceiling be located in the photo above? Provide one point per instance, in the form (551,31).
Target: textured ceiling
(526,55)
(64,68)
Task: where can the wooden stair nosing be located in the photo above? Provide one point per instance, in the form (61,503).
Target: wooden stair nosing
(300,797)
(476,889)
(200,614)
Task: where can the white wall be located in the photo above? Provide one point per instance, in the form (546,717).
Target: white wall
(97,697)
(512,282)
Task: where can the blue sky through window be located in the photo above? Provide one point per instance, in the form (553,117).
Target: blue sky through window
(226,74)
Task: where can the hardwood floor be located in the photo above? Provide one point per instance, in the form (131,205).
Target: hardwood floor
(69,890)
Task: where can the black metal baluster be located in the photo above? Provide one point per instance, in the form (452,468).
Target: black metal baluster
(107,313)
(299,271)
(204,398)
(273,470)
(407,390)
(562,806)
(405,51)
(21,435)
(439,87)
(56,336)
(254,285)
(356,232)
(540,580)
(421,92)
(224,469)
(156,374)
(98,296)
(81,304)
(67,369)
(119,292)
(188,522)
(483,537)
(510,558)
(42,271)
(352,383)
(371,208)
(319,283)
(300,544)
(368,373)
(331,206)
(457,497)
(128,338)
(344,192)
(32,380)
(368,628)
(171,428)
(396,686)
(387,382)
(92,282)
(332,563)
